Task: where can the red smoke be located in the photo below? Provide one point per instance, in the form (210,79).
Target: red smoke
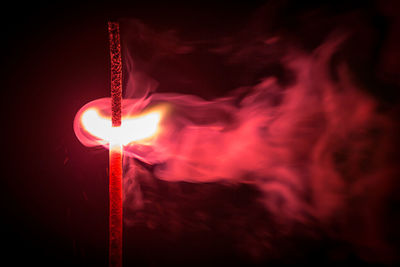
(317,147)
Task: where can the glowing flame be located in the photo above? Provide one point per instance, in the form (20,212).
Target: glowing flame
(140,128)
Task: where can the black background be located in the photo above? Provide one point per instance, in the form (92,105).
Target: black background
(55,59)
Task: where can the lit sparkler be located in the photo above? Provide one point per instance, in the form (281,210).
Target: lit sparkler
(115,183)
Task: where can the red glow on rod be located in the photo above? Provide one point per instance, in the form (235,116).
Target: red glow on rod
(115,184)
(115,191)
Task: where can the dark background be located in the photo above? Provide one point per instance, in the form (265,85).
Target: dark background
(54,190)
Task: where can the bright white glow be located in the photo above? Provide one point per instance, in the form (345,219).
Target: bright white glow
(132,128)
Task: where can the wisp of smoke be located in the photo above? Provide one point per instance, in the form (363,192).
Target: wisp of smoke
(317,148)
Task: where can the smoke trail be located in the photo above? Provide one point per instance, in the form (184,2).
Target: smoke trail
(317,147)
(288,126)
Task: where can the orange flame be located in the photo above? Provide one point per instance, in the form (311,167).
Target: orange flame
(140,128)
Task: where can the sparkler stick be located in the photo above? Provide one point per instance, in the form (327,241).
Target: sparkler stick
(115,183)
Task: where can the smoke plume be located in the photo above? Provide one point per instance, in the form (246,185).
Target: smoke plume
(292,129)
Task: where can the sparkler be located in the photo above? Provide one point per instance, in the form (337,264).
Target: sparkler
(251,138)
(115,183)
(94,126)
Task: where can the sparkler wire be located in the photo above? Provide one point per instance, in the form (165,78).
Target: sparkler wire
(115,160)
